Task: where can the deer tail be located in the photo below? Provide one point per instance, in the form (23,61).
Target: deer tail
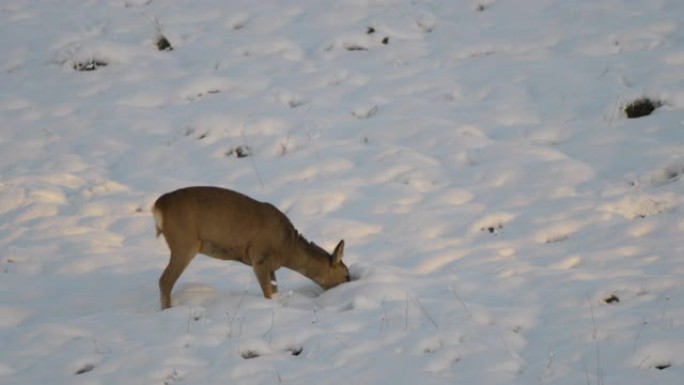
(158,219)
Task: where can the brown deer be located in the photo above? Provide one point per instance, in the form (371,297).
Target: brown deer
(227,225)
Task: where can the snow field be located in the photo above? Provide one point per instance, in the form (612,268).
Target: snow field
(505,222)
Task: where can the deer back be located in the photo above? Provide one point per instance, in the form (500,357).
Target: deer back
(222,217)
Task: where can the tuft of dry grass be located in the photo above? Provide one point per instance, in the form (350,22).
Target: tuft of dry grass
(642,107)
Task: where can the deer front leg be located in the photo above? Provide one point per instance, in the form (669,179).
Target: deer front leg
(264,274)
(274,283)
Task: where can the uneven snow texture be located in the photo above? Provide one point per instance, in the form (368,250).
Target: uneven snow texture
(505,222)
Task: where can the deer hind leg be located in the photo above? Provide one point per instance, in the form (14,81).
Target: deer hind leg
(264,275)
(179,260)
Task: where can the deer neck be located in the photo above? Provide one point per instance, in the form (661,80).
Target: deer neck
(308,260)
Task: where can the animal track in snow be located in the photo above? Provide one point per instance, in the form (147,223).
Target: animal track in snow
(287,98)
(89,65)
(493,223)
(249,354)
(365,112)
(284,48)
(85,369)
(427,22)
(360,42)
(558,232)
(203,87)
(639,207)
(668,174)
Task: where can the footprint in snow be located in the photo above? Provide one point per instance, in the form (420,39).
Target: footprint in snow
(249,354)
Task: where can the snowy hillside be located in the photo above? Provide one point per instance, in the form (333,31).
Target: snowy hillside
(505,221)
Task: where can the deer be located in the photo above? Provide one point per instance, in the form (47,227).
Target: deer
(230,226)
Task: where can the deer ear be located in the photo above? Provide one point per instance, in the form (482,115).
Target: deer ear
(338,253)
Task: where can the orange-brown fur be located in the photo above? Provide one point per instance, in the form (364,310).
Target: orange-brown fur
(227,225)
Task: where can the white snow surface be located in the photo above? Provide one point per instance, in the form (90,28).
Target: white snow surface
(505,222)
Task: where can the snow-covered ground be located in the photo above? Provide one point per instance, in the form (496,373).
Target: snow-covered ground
(505,222)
